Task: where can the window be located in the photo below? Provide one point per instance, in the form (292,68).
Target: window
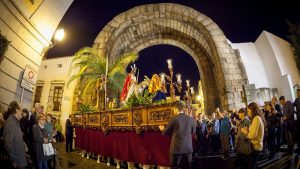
(59,65)
(45,66)
(38,94)
(3,46)
(57,98)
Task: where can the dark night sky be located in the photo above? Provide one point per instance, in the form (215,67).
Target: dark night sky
(241,21)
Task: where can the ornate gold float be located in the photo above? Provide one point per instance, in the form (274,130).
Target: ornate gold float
(137,119)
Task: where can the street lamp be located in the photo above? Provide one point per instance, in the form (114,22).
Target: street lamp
(58,36)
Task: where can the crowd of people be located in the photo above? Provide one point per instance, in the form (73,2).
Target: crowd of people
(248,132)
(24,135)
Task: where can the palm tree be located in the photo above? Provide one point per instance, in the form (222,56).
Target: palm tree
(92,70)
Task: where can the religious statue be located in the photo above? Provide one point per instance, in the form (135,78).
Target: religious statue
(156,87)
(142,87)
(112,104)
(129,84)
(100,87)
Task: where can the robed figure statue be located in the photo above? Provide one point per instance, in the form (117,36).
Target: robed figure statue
(130,82)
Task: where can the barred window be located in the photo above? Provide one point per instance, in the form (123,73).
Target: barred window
(57,98)
(38,94)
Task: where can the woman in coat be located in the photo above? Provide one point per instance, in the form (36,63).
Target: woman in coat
(40,137)
(255,133)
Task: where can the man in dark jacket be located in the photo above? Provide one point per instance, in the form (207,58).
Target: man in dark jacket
(69,135)
(180,128)
(288,123)
(13,140)
(201,133)
(38,109)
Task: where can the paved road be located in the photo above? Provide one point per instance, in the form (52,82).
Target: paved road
(73,160)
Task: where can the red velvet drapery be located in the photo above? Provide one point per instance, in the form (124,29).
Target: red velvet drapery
(150,147)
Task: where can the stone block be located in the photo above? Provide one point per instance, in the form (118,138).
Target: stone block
(231,106)
(230,95)
(228,77)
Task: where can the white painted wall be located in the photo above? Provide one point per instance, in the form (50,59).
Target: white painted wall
(253,64)
(285,56)
(30,29)
(62,74)
(270,63)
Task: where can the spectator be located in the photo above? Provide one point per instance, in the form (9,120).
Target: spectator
(12,135)
(273,122)
(201,132)
(255,133)
(32,121)
(288,123)
(2,149)
(233,118)
(276,105)
(69,135)
(243,122)
(40,137)
(24,123)
(224,132)
(58,129)
(180,128)
(215,133)
(50,133)
(297,105)
(49,126)
(279,132)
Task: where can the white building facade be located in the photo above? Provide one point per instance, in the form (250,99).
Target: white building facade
(270,64)
(28,26)
(52,89)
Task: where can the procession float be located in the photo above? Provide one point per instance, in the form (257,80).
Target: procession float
(127,127)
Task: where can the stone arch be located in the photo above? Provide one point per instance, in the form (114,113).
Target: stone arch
(220,67)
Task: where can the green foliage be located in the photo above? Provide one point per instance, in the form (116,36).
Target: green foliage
(86,108)
(91,66)
(294,37)
(140,100)
(115,85)
(161,102)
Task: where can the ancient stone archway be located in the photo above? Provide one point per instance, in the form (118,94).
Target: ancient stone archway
(221,69)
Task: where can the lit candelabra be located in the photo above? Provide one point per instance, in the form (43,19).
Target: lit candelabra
(168,80)
(190,93)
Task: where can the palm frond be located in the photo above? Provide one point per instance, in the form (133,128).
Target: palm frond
(77,75)
(89,83)
(120,65)
(115,84)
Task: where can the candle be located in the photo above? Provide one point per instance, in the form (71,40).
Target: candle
(188,83)
(178,76)
(169,61)
(192,90)
(162,77)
